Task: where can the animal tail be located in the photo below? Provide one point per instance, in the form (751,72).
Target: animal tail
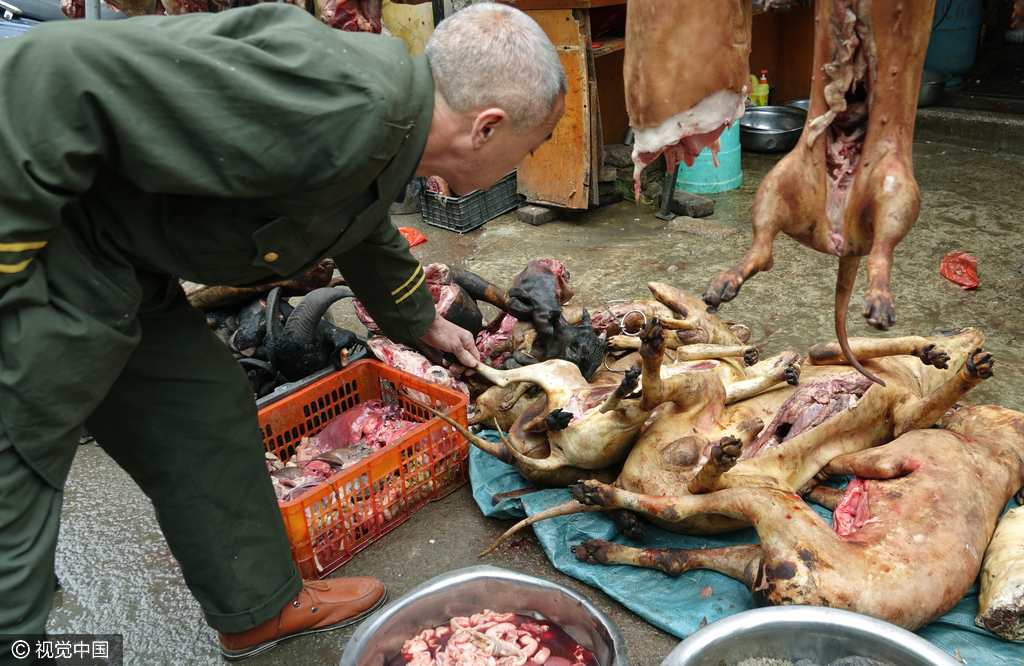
(844,289)
(499,451)
(569,508)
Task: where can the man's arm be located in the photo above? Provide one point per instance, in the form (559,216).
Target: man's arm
(391,285)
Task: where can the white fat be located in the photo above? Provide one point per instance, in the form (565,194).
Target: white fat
(715,110)
(889,184)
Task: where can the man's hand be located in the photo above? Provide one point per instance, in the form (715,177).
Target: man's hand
(448,337)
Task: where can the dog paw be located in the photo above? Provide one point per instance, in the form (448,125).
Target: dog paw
(879,309)
(558,420)
(791,374)
(932,355)
(591,493)
(591,552)
(980,364)
(750,356)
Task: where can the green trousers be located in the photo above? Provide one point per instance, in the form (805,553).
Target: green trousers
(166,400)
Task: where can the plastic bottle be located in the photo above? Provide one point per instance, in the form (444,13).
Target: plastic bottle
(759,89)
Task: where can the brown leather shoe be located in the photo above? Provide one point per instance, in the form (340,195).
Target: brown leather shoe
(322,605)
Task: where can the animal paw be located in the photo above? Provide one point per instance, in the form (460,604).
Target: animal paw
(932,355)
(558,420)
(791,374)
(629,524)
(879,309)
(592,493)
(727,452)
(750,356)
(653,339)
(980,363)
(591,551)
(722,289)
(630,381)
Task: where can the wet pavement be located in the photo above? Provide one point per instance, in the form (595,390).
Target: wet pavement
(118,575)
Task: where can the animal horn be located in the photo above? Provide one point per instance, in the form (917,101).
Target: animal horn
(569,508)
(275,331)
(301,325)
(479,288)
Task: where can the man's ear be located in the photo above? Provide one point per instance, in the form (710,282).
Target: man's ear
(487,122)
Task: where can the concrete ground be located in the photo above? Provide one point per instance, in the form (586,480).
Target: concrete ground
(118,575)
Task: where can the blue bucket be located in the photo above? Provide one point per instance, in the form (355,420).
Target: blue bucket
(703,177)
(954,39)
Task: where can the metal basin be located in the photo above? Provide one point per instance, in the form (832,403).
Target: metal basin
(472,590)
(771,129)
(804,104)
(819,634)
(932,85)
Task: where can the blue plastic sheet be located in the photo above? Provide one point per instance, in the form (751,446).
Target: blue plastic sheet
(675,605)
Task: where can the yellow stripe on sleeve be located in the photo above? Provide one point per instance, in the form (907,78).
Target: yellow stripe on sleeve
(419,269)
(423,276)
(21,247)
(14,268)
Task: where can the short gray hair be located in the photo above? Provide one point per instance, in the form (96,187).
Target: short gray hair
(493,55)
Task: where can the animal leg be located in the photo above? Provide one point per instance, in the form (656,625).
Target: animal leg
(689,390)
(513,396)
(789,373)
(626,386)
(628,524)
(703,352)
(895,205)
(724,455)
(733,561)
(930,353)
(925,412)
(825,496)
(770,366)
(773,209)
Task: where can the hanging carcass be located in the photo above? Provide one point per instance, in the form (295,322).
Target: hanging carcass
(847,188)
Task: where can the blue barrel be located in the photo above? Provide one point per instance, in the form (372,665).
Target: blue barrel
(703,177)
(954,40)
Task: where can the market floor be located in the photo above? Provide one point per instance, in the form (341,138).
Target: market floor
(116,571)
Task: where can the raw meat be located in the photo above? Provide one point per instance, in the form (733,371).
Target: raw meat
(847,188)
(704,43)
(916,553)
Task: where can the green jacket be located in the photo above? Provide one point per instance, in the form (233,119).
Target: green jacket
(235,148)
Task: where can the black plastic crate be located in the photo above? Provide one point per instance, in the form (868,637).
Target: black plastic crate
(465,213)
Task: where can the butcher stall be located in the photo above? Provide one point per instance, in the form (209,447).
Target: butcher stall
(780,423)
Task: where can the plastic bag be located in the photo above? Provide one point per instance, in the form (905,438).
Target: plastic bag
(414,237)
(961,268)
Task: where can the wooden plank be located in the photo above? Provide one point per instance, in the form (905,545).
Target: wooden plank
(605,45)
(558,172)
(796,61)
(764,47)
(561,4)
(596,142)
(611,94)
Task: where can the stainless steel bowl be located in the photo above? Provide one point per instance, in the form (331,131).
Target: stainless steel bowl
(771,129)
(804,104)
(819,634)
(472,590)
(932,85)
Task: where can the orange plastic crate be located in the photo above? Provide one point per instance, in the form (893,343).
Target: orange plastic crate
(332,522)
